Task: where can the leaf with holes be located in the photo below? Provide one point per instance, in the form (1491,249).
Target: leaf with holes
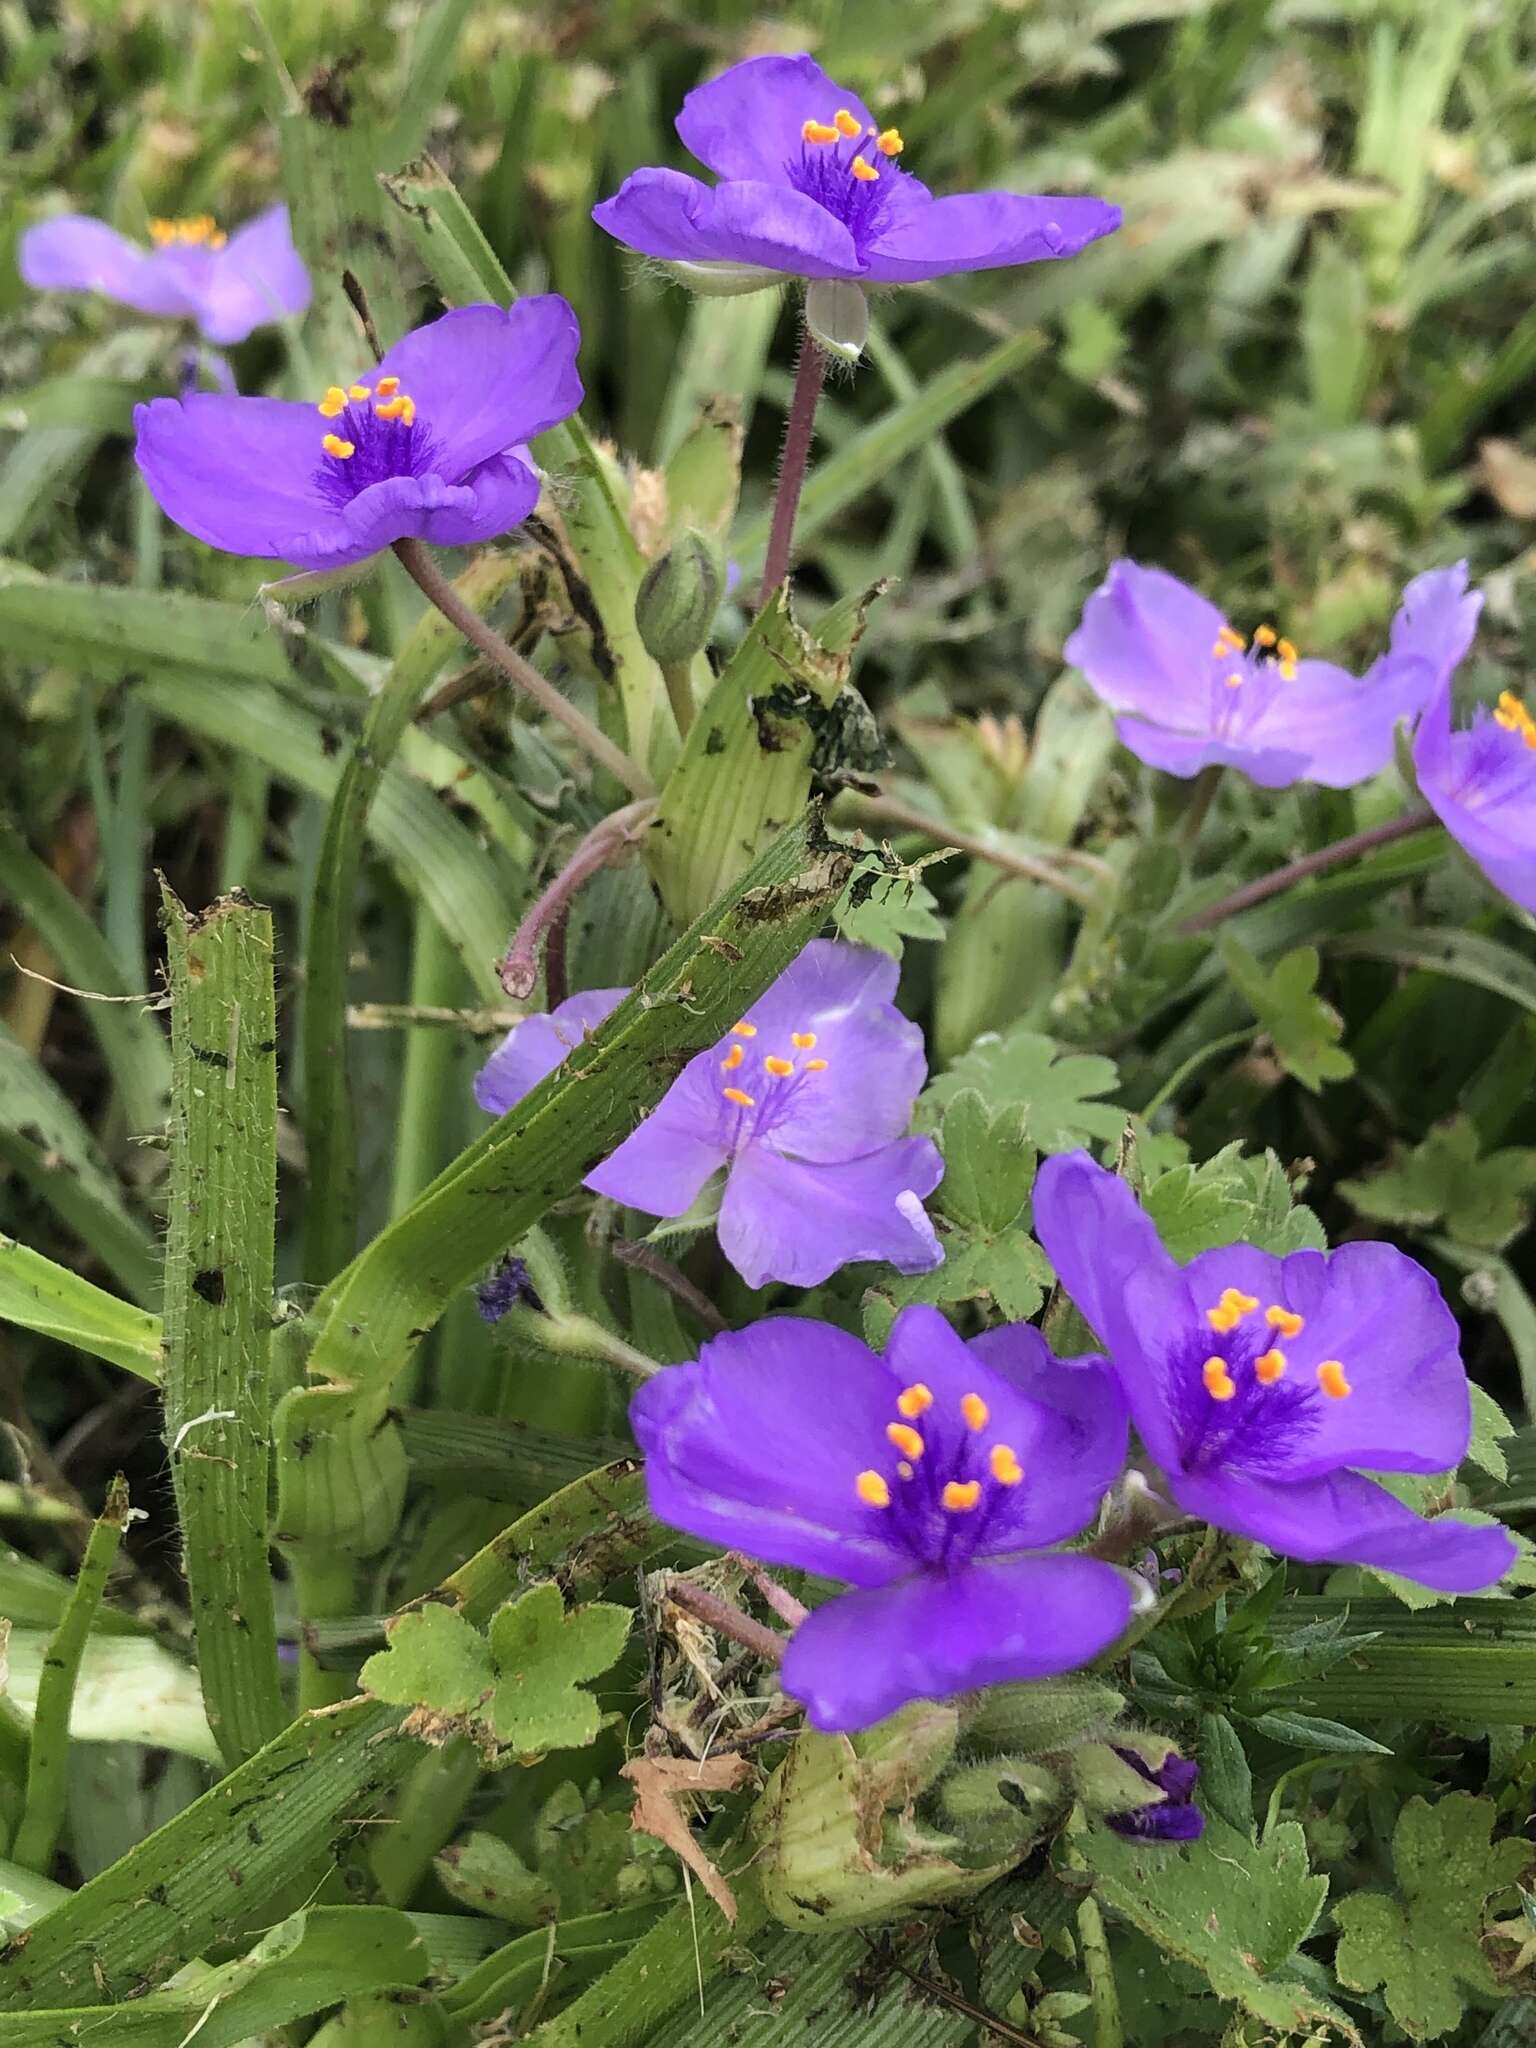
(1029,1071)
(544,1657)
(1422,1944)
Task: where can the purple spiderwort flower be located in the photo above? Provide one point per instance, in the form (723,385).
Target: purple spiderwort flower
(930,1479)
(429,445)
(805,1102)
(1262,1386)
(1481,781)
(1192,693)
(810,188)
(228,284)
(1173,1817)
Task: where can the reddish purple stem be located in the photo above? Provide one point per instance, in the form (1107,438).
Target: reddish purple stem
(519,971)
(810,369)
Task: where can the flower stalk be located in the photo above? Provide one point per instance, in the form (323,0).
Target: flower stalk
(519,971)
(810,373)
(1415,819)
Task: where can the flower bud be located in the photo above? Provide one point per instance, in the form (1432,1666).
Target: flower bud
(1001,1806)
(679,597)
(837,315)
(1040,1717)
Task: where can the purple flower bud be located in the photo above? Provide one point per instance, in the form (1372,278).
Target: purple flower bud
(1174,1817)
(508,1287)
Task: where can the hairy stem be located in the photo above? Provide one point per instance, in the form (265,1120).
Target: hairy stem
(435,587)
(520,970)
(727,1620)
(810,369)
(895,812)
(1414,819)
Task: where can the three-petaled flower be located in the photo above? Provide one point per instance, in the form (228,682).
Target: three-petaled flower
(227,284)
(811,187)
(930,1479)
(1266,1387)
(429,446)
(1193,693)
(805,1102)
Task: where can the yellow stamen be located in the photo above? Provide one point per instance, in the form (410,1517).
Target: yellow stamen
(864,172)
(904,1469)
(732,1060)
(1006,1469)
(1234,681)
(847,124)
(218,239)
(961,1495)
(1330,1377)
(818,131)
(333,403)
(779,1068)
(1228,641)
(1286,649)
(872,1490)
(1514,717)
(815,1066)
(745,1030)
(1265,636)
(1268,1367)
(740,1096)
(387,386)
(803,1041)
(889,142)
(976,1412)
(392,408)
(905,1438)
(359,391)
(915,1400)
(1219,1383)
(162,231)
(1285,1320)
(1287,671)
(333,444)
(1230,1310)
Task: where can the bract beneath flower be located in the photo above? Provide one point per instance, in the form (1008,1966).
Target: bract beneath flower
(811,186)
(228,284)
(430,445)
(805,1103)
(929,1477)
(1267,1387)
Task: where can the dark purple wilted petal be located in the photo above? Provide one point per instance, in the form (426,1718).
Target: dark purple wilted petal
(865,1654)
(508,1287)
(1171,1820)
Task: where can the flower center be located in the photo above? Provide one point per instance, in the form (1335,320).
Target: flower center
(1238,663)
(761,1086)
(945,1481)
(839,166)
(197,231)
(1514,717)
(374,435)
(1237,1399)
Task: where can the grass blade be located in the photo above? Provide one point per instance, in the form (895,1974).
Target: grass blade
(35,1294)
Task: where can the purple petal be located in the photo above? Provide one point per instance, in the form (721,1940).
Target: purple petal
(255,279)
(76,253)
(1343,727)
(1382,1316)
(792,1221)
(533,1049)
(985,231)
(662,1166)
(485,378)
(1482,784)
(731,1455)
(1185,754)
(862,1656)
(238,473)
(876,1064)
(1145,643)
(1436,621)
(1068,1432)
(501,493)
(1109,1257)
(1170,1821)
(747,123)
(680,220)
(1346,1519)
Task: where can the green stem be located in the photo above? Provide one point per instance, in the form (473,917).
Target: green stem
(324,1588)
(431,1084)
(37,1837)
(1193,1064)
(425,1819)
(1207,782)
(1100,1973)
(245,823)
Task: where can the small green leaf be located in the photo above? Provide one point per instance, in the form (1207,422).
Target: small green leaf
(544,1655)
(435,1659)
(989,1166)
(1305,1030)
(1229,1200)
(1028,1071)
(1009,1271)
(1484,1201)
(1422,1944)
(1226,1782)
(885,907)
(1312,1732)
(1490,1428)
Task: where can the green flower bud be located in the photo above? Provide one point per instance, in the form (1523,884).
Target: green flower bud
(1040,1717)
(487,1875)
(723,280)
(1106,1783)
(679,597)
(837,314)
(1002,1806)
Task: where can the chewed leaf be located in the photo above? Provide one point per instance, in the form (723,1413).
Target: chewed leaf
(544,1656)
(435,1659)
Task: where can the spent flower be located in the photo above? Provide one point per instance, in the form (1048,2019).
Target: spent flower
(1266,1388)
(805,1102)
(228,284)
(430,445)
(931,1479)
(1192,692)
(811,186)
